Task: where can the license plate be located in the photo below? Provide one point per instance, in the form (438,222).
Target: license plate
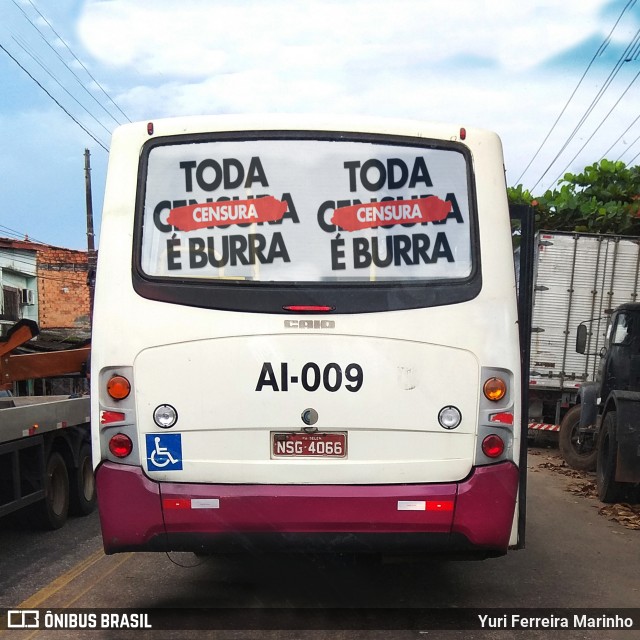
(308,445)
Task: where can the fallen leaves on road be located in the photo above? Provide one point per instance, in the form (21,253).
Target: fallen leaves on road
(628,515)
(625,514)
(564,469)
(587,489)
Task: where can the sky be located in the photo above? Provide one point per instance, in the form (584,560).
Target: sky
(72,70)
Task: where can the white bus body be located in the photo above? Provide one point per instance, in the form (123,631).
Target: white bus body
(307,312)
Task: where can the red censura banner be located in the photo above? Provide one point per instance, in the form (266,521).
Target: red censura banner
(301,210)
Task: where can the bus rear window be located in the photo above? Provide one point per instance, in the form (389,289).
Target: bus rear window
(305,211)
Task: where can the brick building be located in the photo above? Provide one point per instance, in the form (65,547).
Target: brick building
(43,283)
(62,288)
(47,284)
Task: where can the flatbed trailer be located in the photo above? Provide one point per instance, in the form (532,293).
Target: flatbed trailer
(45,444)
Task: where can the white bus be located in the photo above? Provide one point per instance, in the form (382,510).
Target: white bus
(306,337)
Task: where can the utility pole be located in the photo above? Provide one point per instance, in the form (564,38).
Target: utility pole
(91,250)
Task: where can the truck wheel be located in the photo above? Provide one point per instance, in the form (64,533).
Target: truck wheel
(82,498)
(581,457)
(51,513)
(608,489)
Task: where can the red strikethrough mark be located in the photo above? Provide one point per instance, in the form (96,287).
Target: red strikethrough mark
(217,214)
(379,214)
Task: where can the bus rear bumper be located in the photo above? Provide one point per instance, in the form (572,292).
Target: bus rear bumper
(138,514)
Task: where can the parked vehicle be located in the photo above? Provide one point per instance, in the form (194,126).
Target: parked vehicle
(45,442)
(577,277)
(322,339)
(610,407)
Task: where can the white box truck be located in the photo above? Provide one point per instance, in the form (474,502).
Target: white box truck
(578,277)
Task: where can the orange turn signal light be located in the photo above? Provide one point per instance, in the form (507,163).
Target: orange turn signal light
(118,387)
(495,389)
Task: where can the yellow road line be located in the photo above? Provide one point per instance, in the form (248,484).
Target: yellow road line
(37,599)
(34,601)
(123,558)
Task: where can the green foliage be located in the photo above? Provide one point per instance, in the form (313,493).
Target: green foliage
(604,198)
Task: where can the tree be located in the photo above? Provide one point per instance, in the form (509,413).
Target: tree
(604,198)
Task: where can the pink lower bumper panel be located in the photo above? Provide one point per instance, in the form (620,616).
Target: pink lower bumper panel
(137,513)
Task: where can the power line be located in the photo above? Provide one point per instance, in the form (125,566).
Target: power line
(628,148)
(19,235)
(61,107)
(600,125)
(83,66)
(604,155)
(594,102)
(598,52)
(636,156)
(63,61)
(47,71)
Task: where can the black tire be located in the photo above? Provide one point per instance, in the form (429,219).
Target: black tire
(82,497)
(580,457)
(608,489)
(51,513)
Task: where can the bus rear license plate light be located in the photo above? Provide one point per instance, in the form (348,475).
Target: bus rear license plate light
(309,445)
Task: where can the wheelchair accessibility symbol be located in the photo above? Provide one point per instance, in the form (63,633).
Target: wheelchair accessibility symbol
(164,451)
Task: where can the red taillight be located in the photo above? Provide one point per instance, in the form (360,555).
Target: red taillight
(308,308)
(493,446)
(120,445)
(439,505)
(150,128)
(463,133)
(176,503)
(107,417)
(118,387)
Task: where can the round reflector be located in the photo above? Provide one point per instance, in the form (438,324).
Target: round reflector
(495,389)
(449,417)
(493,446)
(118,387)
(120,445)
(165,416)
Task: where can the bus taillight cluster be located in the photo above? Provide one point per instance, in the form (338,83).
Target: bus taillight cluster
(494,389)
(119,388)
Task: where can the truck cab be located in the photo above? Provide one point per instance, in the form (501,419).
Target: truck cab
(612,403)
(620,361)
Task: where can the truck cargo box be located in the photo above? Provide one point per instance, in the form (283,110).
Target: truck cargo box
(577,277)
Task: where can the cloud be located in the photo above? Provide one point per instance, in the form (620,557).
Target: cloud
(362,56)
(483,63)
(198,38)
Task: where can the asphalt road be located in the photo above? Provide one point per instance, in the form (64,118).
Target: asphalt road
(574,557)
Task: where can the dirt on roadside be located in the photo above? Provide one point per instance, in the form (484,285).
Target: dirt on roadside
(583,483)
